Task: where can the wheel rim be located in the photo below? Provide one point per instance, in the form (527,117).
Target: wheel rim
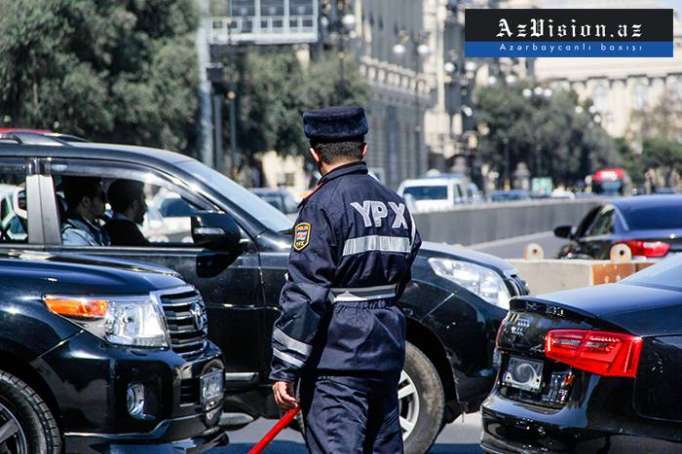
(409,404)
(12,436)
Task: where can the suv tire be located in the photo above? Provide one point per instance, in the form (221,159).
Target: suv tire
(422,401)
(37,430)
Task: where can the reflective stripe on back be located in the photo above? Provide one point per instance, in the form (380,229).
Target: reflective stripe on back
(378,243)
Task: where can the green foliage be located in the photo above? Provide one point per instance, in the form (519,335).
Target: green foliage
(275,89)
(545,133)
(657,129)
(122,71)
(632,161)
(660,119)
(664,156)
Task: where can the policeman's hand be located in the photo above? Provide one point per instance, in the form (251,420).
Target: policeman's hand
(284,395)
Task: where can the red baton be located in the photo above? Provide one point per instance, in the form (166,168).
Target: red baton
(276,429)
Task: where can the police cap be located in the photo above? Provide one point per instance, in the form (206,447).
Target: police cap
(335,124)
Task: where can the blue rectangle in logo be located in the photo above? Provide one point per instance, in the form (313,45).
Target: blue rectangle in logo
(568,49)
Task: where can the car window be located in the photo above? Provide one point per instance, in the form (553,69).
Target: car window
(262,211)
(427,192)
(168,218)
(587,221)
(662,216)
(13,214)
(290,204)
(166,221)
(603,223)
(176,206)
(273,199)
(459,193)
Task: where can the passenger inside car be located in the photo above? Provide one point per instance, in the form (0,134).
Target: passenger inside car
(86,203)
(128,203)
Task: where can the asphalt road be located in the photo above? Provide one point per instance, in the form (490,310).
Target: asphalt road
(460,437)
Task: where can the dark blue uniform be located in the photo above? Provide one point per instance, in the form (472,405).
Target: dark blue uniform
(341,331)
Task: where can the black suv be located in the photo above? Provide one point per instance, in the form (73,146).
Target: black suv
(234,247)
(94,358)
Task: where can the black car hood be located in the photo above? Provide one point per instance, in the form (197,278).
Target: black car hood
(641,310)
(83,274)
(430,249)
(122,264)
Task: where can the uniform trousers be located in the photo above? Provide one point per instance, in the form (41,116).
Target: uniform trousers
(356,413)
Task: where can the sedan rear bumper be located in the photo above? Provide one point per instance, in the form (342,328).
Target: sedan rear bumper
(514,433)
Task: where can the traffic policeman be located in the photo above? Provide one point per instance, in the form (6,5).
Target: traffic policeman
(341,333)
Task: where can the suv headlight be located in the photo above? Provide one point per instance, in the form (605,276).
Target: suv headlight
(136,321)
(482,281)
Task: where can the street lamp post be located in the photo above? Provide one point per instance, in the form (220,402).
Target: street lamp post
(419,49)
(340,23)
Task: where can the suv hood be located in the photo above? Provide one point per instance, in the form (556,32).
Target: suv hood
(430,249)
(122,264)
(82,274)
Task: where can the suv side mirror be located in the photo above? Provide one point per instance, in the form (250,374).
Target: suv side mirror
(564,231)
(215,231)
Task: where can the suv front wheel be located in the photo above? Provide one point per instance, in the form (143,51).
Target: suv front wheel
(26,422)
(422,401)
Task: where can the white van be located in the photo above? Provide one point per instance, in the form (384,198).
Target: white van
(429,194)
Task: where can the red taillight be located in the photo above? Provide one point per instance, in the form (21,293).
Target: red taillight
(648,248)
(600,352)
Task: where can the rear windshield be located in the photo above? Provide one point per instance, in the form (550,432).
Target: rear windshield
(427,192)
(664,274)
(668,216)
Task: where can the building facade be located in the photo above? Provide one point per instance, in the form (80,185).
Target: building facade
(400,50)
(617,87)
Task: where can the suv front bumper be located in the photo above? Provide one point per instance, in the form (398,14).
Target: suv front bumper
(148,442)
(89,379)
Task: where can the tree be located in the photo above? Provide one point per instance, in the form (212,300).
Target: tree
(660,119)
(664,156)
(120,71)
(545,132)
(274,89)
(656,129)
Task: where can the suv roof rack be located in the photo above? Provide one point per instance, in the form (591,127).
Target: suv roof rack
(38,138)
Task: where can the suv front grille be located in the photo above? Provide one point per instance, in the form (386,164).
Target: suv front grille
(186,320)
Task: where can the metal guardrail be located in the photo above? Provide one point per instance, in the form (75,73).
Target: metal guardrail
(471,224)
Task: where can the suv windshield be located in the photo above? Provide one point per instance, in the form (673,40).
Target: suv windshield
(269,216)
(664,274)
(427,192)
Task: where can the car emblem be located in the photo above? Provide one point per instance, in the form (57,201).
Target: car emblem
(198,316)
(532,307)
(520,325)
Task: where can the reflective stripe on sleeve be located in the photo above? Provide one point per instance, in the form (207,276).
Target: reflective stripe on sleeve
(287,358)
(291,343)
(377,243)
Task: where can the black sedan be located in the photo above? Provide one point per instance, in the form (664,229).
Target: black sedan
(650,225)
(591,370)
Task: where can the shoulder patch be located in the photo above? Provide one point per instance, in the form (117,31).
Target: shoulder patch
(301,236)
